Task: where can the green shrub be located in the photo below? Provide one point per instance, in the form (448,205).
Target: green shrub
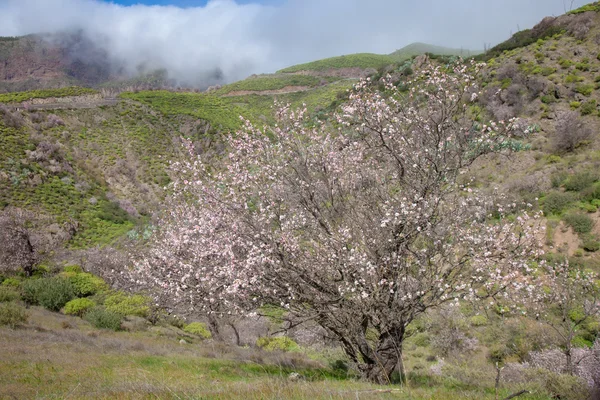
(198,328)
(555,202)
(122,304)
(580,181)
(573,78)
(479,320)
(565,63)
(574,105)
(12,314)
(103,319)
(548,99)
(31,289)
(78,306)
(8,294)
(589,107)
(279,343)
(86,284)
(588,208)
(421,339)
(51,293)
(591,244)
(581,223)
(73,268)
(12,282)
(592,193)
(584,89)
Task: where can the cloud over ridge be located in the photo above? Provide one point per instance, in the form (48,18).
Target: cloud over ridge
(225,41)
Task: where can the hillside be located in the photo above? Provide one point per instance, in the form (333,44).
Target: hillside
(61,60)
(90,170)
(416,49)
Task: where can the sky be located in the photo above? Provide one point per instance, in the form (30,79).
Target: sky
(206,41)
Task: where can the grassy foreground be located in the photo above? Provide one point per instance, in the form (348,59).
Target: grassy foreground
(56,356)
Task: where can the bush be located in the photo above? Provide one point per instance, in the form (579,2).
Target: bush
(479,320)
(103,319)
(570,132)
(86,284)
(122,304)
(78,306)
(591,244)
(8,294)
(198,328)
(279,343)
(581,223)
(580,181)
(555,202)
(12,314)
(31,289)
(76,269)
(584,89)
(589,107)
(51,293)
(591,194)
(11,282)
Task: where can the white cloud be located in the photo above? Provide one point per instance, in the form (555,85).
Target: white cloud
(241,39)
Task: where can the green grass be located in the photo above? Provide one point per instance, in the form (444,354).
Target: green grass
(44,94)
(218,112)
(44,360)
(274,82)
(360,60)
(588,7)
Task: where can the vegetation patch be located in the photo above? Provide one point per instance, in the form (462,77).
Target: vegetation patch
(360,60)
(18,97)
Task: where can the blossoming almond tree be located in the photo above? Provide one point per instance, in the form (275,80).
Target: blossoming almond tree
(359,225)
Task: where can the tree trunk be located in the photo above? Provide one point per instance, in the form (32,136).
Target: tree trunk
(386,365)
(569,357)
(213,326)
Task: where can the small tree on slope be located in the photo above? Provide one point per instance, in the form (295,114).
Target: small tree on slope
(359,226)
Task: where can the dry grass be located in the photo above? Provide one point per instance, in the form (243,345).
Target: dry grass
(63,357)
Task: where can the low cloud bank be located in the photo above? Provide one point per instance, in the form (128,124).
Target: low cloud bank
(224,41)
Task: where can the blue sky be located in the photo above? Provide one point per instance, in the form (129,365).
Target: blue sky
(181,3)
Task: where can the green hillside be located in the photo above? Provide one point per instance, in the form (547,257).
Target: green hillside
(360,60)
(415,49)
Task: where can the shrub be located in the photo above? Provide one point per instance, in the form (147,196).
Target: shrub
(12,314)
(78,306)
(86,284)
(591,244)
(198,328)
(103,319)
(548,99)
(421,339)
(122,304)
(592,193)
(8,294)
(51,293)
(589,107)
(555,202)
(584,89)
(31,289)
(73,268)
(570,132)
(574,105)
(589,208)
(279,343)
(581,223)
(11,282)
(479,320)
(580,181)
